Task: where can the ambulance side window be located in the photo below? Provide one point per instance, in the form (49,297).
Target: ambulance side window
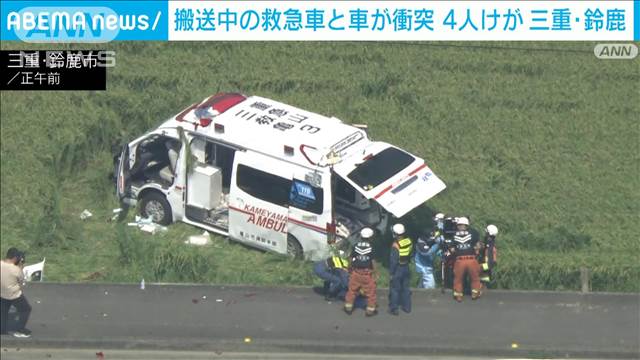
(345,191)
(263,185)
(306,197)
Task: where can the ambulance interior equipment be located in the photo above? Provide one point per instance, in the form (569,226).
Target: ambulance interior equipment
(155,160)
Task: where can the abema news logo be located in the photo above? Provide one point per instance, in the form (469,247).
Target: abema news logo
(85,24)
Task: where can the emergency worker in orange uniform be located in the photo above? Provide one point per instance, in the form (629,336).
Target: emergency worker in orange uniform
(466,262)
(361,278)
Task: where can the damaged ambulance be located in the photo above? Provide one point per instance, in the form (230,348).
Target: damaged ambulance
(270,175)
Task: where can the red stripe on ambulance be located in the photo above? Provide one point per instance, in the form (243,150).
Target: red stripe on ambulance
(413,172)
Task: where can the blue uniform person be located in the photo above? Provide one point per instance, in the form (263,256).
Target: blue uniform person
(427,251)
(334,272)
(399,293)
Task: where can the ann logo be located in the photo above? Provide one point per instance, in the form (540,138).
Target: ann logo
(616,51)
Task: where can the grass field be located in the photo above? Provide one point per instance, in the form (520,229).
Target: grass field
(541,139)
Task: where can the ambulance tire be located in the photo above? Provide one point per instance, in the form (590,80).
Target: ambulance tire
(156,205)
(294,249)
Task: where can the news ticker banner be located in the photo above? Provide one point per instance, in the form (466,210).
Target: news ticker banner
(103,21)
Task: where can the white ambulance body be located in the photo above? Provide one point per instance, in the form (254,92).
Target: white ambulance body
(270,175)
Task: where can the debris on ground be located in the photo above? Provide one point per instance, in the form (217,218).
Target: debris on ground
(203,239)
(153,228)
(147,225)
(93,276)
(85,214)
(139,221)
(116,214)
(34,272)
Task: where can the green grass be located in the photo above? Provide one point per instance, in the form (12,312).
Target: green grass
(541,141)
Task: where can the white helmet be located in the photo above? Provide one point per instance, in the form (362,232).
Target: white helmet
(398,229)
(366,233)
(492,230)
(463,221)
(438,217)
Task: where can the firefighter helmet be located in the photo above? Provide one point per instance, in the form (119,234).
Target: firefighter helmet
(398,229)
(463,221)
(492,230)
(366,233)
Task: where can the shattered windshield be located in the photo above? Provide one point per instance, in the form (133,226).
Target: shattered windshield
(380,167)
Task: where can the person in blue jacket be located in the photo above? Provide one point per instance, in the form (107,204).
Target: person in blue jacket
(426,252)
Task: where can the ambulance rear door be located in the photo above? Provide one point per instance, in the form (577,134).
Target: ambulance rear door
(395,179)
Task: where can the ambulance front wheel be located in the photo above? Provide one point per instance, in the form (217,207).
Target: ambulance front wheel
(294,249)
(156,206)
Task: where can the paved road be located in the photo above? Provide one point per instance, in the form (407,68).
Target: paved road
(91,354)
(246,319)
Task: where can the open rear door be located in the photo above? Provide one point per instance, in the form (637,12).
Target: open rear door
(122,173)
(395,179)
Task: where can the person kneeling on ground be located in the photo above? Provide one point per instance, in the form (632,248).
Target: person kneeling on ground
(334,272)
